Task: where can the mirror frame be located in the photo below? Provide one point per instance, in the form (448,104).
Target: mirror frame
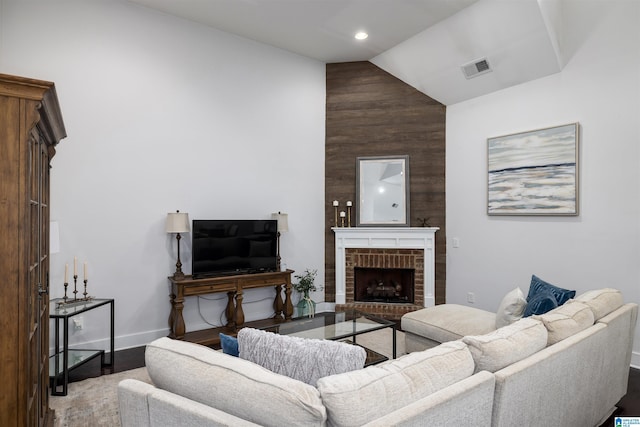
(363,193)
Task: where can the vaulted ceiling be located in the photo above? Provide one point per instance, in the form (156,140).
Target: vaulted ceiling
(425,43)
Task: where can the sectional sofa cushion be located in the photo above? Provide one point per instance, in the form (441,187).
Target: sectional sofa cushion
(448,322)
(303,359)
(566,320)
(232,385)
(511,308)
(358,397)
(602,301)
(502,347)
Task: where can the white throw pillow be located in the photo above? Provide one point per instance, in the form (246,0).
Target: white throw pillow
(507,345)
(511,308)
(566,320)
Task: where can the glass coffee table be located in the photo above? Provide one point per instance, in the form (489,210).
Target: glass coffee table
(338,326)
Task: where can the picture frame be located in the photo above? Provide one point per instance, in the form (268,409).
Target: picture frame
(382,191)
(534,172)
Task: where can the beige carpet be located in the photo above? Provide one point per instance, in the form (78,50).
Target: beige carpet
(94,401)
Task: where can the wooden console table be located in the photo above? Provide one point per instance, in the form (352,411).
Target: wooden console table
(234,286)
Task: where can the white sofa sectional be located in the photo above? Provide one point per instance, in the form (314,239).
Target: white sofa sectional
(197,386)
(567,367)
(576,379)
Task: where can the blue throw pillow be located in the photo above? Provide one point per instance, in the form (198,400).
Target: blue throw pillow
(540,303)
(229,345)
(540,286)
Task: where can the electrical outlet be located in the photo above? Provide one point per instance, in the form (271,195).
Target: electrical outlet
(471,297)
(78,323)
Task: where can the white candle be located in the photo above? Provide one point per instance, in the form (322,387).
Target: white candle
(349,203)
(66,273)
(342,214)
(336,203)
(75,265)
(85,270)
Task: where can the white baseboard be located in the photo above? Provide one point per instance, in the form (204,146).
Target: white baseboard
(635,360)
(120,343)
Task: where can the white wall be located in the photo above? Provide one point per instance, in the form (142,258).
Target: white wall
(599,88)
(165,114)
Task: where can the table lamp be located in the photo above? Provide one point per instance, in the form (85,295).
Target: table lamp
(177,222)
(283,226)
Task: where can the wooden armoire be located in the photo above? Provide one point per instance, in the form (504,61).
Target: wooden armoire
(30,127)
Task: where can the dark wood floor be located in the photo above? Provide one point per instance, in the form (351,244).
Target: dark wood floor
(133,358)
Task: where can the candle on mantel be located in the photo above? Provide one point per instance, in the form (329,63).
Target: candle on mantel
(336,203)
(66,273)
(85,270)
(349,203)
(75,266)
(343,214)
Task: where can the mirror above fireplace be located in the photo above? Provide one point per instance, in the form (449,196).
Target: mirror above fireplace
(382,186)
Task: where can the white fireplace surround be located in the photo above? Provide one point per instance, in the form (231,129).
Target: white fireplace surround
(386,238)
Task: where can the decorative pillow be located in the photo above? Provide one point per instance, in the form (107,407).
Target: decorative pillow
(229,345)
(359,397)
(540,303)
(303,359)
(538,285)
(602,301)
(511,308)
(566,320)
(507,345)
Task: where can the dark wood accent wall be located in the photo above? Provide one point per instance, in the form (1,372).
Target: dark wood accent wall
(369,112)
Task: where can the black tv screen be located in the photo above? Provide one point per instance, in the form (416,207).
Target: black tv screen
(233,247)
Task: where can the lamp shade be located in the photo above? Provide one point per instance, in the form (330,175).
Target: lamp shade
(177,222)
(283,221)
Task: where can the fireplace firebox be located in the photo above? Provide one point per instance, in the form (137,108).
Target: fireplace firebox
(384,285)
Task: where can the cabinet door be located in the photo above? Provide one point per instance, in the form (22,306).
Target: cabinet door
(38,242)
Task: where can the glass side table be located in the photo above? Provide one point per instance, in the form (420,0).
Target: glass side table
(65,359)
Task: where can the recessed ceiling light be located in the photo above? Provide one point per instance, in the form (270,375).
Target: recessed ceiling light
(361,35)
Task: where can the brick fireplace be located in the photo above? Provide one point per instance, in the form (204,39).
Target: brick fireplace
(394,259)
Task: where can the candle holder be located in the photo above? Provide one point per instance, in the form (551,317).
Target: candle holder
(335,210)
(348,215)
(67,301)
(342,219)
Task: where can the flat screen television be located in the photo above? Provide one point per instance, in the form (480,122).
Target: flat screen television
(223,247)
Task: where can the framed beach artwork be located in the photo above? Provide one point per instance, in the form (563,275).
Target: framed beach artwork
(534,173)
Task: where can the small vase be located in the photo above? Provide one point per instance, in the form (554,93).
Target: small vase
(306,306)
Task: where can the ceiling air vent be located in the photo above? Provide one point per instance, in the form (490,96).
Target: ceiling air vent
(476,68)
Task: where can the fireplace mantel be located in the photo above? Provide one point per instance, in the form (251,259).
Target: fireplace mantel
(386,238)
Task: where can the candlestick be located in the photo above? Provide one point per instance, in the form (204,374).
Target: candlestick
(335,213)
(85,289)
(348,214)
(342,215)
(336,203)
(65,291)
(349,203)
(75,286)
